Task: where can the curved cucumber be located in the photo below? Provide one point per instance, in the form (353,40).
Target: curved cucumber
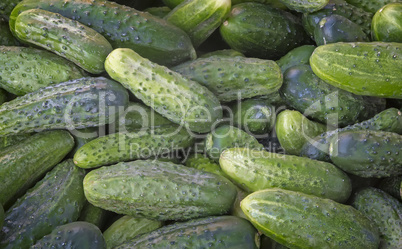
(67,38)
(298,220)
(371,5)
(372,69)
(392,186)
(298,56)
(387,23)
(305,6)
(6,37)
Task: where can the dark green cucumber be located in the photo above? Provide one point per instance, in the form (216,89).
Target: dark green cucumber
(158,11)
(93,215)
(371,5)
(76,104)
(257,31)
(273,3)
(12,139)
(56,200)
(222,52)
(392,186)
(363,68)
(386,213)
(124,27)
(6,37)
(222,232)
(298,56)
(258,170)
(180,100)
(25,163)
(298,220)
(77,234)
(202,162)
(387,23)
(126,228)
(159,190)
(305,6)
(6,6)
(232,78)
(367,153)
(24,70)
(65,37)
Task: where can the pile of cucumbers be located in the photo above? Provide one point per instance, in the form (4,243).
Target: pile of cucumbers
(227,124)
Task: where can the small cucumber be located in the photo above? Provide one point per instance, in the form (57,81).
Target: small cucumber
(392,185)
(159,190)
(223,52)
(258,170)
(65,37)
(126,228)
(180,100)
(367,153)
(386,213)
(160,12)
(305,6)
(298,220)
(362,68)
(371,5)
(232,78)
(201,162)
(93,215)
(387,23)
(222,232)
(6,37)
(298,56)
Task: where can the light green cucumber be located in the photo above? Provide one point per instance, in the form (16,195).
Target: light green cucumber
(297,56)
(305,6)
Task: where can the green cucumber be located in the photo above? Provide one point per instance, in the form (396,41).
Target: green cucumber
(392,186)
(25,163)
(65,37)
(257,30)
(293,130)
(387,23)
(258,170)
(386,213)
(12,139)
(298,220)
(126,228)
(119,147)
(362,68)
(367,153)
(56,200)
(160,12)
(1,216)
(122,26)
(83,136)
(6,37)
(73,235)
(159,190)
(273,3)
(76,104)
(93,215)
(233,78)
(180,100)
(222,232)
(24,70)
(202,162)
(298,56)
(305,6)
(371,5)
(223,52)
(6,6)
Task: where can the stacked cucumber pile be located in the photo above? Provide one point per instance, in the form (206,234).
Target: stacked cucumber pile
(199,124)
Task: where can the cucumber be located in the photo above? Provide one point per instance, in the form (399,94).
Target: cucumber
(65,37)
(199,18)
(371,5)
(26,162)
(126,228)
(6,6)
(298,220)
(122,26)
(293,131)
(305,6)
(298,56)
(25,70)
(159,190)
(387,23)
(83,136)
(233,78)
(222,232)
(256,30)
(56,200)
(372,68)
(12,139)
(73,235)
(223,52)
(180,100)
(202,162)
(386,213)
(258,170)
(6,37)
(273,3)
(1,216)
(76,104)
(226,137)
(93,215)
(160,12)
(367,153)
(121,147)
(392,186)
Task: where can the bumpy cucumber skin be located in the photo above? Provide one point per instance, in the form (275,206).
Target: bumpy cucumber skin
(180,100)
(76,104)
(93,215)
(26,162)
(65,37)
(371,5)
(222,232)
(362,68)
(392,186)
(201,162)
(77,234)
(231,78)
(298,220)
(386,213)
(24,70)
(6,37)
(367,153)
(387,23)
(305,6)
(127,228)
(119,147)
(222,52)
(270,170)
(158,11)
(298,56)
(122,26)
(159,190)
(293,129)
(56,200)
(257,30)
